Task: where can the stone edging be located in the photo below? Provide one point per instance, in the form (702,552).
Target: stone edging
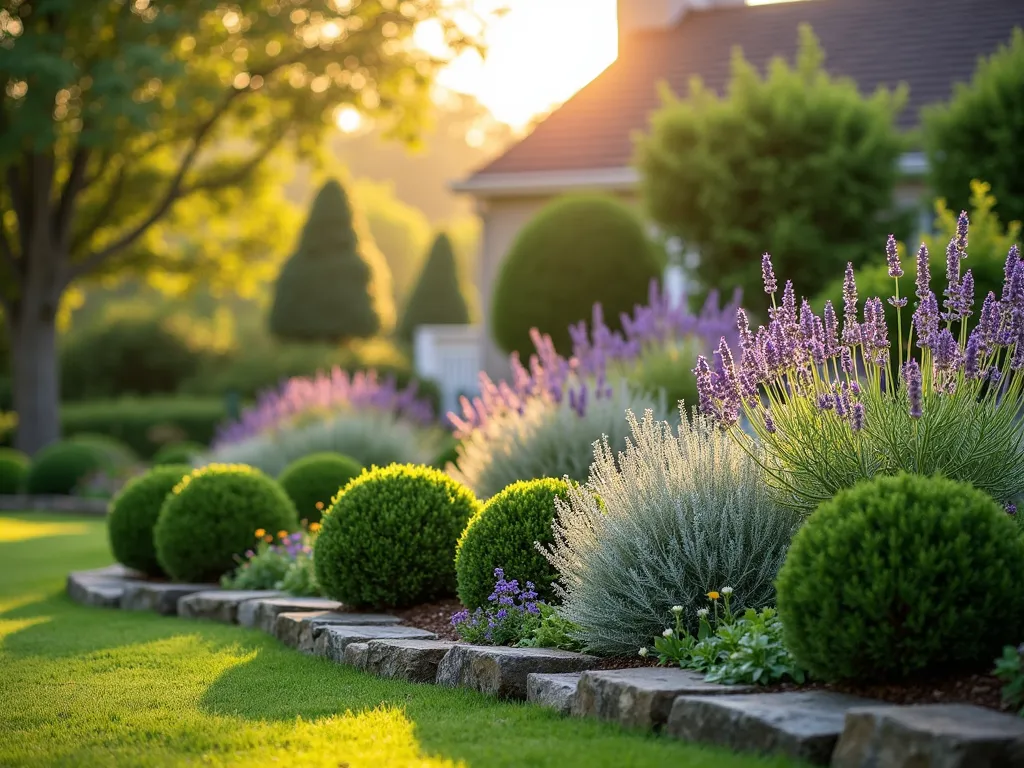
(819,727)
(72,505)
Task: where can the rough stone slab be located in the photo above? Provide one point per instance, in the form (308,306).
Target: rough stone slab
(641,697)
(102,587)
(930,736)
(332,640)
(501,671)
(158,596)
(73,505)
(262,614)
(355,655)
(300,630)
(220,604)
(802,725)
(413,660)
(554,691)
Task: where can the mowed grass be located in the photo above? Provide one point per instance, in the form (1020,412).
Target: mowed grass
(96,687)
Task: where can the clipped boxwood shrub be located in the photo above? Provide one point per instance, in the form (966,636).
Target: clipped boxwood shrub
(133,514)
(60,466)
(113,453)
(502,535)
(315,480)
(210,517)
(902,575)
(13,470)
(580,249)
(178,453)
(389,540)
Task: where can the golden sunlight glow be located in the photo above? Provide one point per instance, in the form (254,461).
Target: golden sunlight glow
(348,119)
(538,54)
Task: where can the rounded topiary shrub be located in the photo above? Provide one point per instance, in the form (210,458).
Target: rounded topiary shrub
(313,481)
(178,453)
(902,575)
(502,535)
(389,540)
(133,514)
(579,250)
(13,470)
(60,466)
(210,518)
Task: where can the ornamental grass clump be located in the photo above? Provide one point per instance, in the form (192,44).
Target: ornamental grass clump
(661,524)
(902,576)
(835,402)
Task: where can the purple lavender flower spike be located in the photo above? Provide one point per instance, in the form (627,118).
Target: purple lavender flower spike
(926,320)
(851,330)
(825,402)
(962,224)
(768,275)
(892,256)
(789,305)
(831,337)
(924,275)
(1017,359)
(972,354)
(1012,257)
(966,304)
(846,360)
(769,423)
(705,389)
(988,324)
(857,417)
(946,359)
(952,266)
(912,377)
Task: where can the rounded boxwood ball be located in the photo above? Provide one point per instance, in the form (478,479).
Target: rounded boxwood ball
(210,517)
(13,470)
(134,512)
(502,535)
(59,467)
(389,540)
(178,453)
(315,480)
(902,575)
(580,249)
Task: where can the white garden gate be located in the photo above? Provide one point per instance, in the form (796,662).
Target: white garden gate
(451,356)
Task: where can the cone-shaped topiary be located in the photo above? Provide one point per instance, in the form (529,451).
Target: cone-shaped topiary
(579,250)
(178,453)
(503,534)
(337,284)
(313,481)
(134,512)
(209,519)
(389,540)
(902,575)
(13,470)
(437,298)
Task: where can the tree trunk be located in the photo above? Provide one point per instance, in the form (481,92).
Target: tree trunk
(36,385)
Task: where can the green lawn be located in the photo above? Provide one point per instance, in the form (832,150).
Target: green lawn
(90,686)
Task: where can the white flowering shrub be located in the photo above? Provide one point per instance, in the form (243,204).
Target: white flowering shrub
(669,519)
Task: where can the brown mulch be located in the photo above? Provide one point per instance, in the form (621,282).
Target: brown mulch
(433,617)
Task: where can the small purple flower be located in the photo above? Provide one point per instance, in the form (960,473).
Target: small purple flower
(952,267)
(846,360)
(988,324)
(705,391)
(825,402)
(962,224)
(926,320)
(971,355)
(769,423)
(892,256)
(831,323)
(768,275)
(1011,510)
(857,418)
(924,275)
(851,331)
(912,377)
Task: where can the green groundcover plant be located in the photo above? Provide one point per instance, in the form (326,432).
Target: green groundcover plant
(1010,669)
(283,562)
(833,406)
(900,576)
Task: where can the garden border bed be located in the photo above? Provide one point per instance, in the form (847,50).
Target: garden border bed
(820,727)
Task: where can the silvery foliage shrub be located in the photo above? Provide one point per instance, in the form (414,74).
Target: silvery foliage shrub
(674,516)
(370,437)
(548,439)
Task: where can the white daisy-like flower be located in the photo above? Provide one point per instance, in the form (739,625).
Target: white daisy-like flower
(677,609)
(702,612)
(667,633)
(643,652)
(726,590)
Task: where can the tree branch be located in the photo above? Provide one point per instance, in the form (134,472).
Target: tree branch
(104,211)
(238,174)
(74,185)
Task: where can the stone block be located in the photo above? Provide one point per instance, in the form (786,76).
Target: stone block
(355,655)
(413,660)
(555,691)
(158,596)
(102,587)
(300,630)
(802,725)
(930,736)
(221,604)
(331,640)
(262,614)
(501,671)
(641,697)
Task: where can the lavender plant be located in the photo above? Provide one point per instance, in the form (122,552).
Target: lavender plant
(546,421)
(660,524)
(834,404)
(511,617)
(360,416)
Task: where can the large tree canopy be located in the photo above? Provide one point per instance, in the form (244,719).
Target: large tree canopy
(115,111)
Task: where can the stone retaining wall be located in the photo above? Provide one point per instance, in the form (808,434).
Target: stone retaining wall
(71,505)
(817,727)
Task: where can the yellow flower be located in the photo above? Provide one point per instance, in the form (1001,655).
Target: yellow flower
(282,534)
(260,533)
(314,527)
(713,595)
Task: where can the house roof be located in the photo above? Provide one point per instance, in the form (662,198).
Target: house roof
(927,44)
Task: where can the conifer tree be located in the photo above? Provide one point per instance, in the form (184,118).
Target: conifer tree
(336,285)
(438,298)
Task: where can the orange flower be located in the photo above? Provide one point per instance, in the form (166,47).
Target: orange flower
(314,527)
(282,534)
(260,533)
(319,505)
(268,538)
(713,595)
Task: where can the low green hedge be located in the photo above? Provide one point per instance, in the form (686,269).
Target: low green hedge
(13,470)
(146,424)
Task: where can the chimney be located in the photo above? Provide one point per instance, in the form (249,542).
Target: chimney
(638,15)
